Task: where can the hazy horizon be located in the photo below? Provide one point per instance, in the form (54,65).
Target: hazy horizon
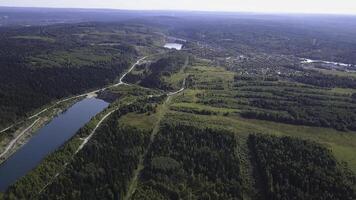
(272,6)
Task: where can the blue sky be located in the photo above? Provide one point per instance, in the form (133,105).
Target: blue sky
(289,6)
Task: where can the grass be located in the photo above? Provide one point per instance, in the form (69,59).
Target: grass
(188,96)
(194,106)
(342,144)
(141,121)
(207,76)
(176,80)
(40,38)
(347,91)
(337,73)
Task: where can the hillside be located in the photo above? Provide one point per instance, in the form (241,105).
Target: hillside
(240,112)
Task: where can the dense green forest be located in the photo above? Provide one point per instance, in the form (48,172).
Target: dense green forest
(104,168)
(297,169)
(185,162)
(42,64)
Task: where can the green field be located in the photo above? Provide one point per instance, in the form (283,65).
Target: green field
(39,38)
(342,143)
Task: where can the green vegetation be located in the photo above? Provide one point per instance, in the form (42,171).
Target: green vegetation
(40,38)
(112,134)
(297,104)
(296,169)
(106,176)
(253,120)
(185,162)
(204,105)
(84,57)
(155,74)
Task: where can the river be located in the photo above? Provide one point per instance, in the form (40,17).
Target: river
(48,139)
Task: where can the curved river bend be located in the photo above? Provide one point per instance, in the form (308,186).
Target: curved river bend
(48,139)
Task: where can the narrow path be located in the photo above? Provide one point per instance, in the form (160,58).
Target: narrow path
(134,181)
(247,176)
(183,84)
(5,129)
(86,140)
(12,143)
(179,91)
(124,75)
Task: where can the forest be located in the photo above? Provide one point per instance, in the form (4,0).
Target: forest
(43,64)
(186,162)
(297,169)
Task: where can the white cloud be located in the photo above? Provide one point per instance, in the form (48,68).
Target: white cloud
(303,6)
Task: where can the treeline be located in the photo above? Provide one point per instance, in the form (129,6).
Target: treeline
(296,169)
(186,162)
(293,104)
(323,80)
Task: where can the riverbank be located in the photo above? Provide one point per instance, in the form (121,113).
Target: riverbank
(12,141)
(48,139)
(45,115)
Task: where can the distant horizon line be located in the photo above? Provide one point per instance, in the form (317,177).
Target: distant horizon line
(186,10)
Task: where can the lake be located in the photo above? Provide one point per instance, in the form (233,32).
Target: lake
(48,139)
(176,46)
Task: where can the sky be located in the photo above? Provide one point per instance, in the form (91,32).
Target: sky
(274,6)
